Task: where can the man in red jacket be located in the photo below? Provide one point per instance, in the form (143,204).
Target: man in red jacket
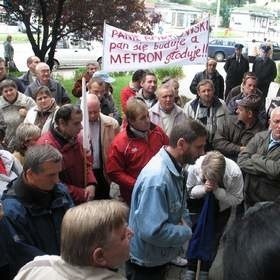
(63,136)
(133,147)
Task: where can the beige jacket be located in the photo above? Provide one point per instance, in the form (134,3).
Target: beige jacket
(54,267)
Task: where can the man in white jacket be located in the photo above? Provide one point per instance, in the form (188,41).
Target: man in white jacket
(94,242)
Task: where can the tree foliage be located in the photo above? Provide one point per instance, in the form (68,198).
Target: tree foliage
(85,18)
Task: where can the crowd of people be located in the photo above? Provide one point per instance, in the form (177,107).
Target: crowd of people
(169,159)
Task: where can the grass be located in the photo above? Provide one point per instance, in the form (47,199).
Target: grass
(17,38)
(121,81)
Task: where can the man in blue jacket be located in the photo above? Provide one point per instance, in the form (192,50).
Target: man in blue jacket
(34,205)
(158,215)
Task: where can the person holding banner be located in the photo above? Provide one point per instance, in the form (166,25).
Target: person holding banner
(92,67)
(212,74)
(78,176)
(133,87)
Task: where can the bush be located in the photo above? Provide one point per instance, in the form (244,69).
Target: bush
(173,72)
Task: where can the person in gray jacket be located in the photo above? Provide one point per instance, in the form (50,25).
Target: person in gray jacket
(208,109)
(260,163)
(237,130)
(165,113)
(44,79)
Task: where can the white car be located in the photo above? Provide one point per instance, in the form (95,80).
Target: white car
(76,53)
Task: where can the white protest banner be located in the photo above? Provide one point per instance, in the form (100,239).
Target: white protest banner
(123,51)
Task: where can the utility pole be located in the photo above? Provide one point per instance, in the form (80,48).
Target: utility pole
(217,14)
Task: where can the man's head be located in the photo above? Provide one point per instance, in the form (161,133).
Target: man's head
(32,62)
(42,164)
(9,38)
(3,70)
(187,141)
(97,86)
(68,120)
(265,51)
(100,226)
(93,105)
(137,77)
(92,67)
(213,167)
(248,108)
(8,89)
(43,73)
(238,49)
(274,123)
(205,90)
(173,82)
(43,98)
(149,84)
(27,135)
(249,83)
(166,97)
(137,114)
(211,66)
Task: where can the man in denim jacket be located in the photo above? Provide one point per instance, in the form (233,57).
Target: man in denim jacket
(158,215)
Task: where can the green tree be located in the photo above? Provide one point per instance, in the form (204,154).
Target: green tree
(58,18)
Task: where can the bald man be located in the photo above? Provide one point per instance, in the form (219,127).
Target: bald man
(260,163)
(43,74)
(102,131)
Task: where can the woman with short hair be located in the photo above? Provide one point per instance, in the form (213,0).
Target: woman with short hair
(42,114)
(14,106)
(27,135)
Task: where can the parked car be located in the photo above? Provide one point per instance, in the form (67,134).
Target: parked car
(76,53)
(221,49)
(34,27)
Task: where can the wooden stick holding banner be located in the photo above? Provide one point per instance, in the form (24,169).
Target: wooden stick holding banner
(85,123)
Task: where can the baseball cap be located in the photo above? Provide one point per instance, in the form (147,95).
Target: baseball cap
(265,48)
(104,76)
(238,46)
(252,102)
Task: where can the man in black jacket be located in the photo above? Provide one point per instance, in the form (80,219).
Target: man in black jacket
(235,67)
(212,74)
(265,69)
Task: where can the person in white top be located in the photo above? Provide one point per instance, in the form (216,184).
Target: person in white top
(94,243)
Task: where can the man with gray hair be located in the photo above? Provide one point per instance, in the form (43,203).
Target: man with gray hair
(34,205)
(94,243)
(43,73)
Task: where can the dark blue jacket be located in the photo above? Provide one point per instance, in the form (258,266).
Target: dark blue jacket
(32,221)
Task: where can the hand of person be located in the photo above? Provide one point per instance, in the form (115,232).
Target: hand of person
(22,112)
(210,185)
(242,148)
(89,192)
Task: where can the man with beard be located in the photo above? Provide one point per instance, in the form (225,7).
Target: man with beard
(158,215)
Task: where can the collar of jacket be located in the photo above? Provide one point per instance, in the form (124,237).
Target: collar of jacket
(130,134)
(31,197)
(216,103)
(60,138)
